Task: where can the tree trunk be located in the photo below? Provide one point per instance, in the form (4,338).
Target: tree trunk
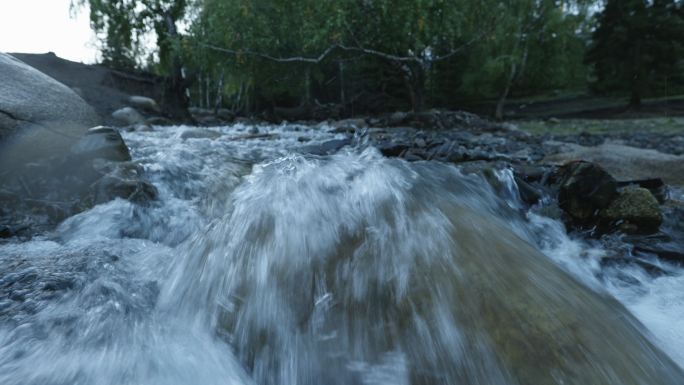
(415,80)
(200,92)
(219,93)
(499,113)
(343,98)
(207,92)
(307,87)
(176,98)
(635,99)
(637,80)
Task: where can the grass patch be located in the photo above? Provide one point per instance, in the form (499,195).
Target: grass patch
(663,125)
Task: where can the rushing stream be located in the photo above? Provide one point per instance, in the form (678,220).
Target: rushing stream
(259,264)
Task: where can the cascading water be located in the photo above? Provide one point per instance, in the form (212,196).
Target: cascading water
(344,269)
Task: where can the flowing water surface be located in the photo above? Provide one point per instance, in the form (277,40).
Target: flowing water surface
(260,264)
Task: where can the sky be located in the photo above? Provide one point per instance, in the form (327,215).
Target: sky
(40,26)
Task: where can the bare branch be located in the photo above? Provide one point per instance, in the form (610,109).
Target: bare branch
(299,59)
(357,49)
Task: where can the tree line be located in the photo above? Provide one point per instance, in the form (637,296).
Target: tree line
(368,56)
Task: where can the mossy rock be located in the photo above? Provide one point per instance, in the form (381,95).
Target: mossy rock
(634,210)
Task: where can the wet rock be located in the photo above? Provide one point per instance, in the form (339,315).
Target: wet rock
(530,172)
(392,149)
(142,128)
(114,186)
(659,244)
(101,142)
(326,148)
(528,193)
(584,189)
(6,232)
(199,133)
(144,103)
(128,115)
(634,210)
(348,125)
(551,210)
(158,121)
(656,186)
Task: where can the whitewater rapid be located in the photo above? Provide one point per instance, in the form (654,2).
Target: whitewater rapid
(260,263)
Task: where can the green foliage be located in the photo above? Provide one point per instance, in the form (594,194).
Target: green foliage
(394,53)
(637,47)
(540,44)
(122,26)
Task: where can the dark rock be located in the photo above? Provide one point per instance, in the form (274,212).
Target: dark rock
(158,121)
(634,210)
(584,189)
(414,156)
(101,142)
(659,244)
(6,232)
(326,148)
(113,186)
(528,194)
(530,172)
(551,210)
(392,149)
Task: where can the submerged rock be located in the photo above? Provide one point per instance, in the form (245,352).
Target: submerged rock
(634,210)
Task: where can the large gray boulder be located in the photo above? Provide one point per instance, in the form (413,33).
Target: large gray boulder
(627,163)
(39,117)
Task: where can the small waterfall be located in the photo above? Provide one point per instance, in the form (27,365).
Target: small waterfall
(360,269)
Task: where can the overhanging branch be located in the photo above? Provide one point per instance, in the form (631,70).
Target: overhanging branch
(358,49)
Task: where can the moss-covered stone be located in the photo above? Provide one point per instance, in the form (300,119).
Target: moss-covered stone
(634,210)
